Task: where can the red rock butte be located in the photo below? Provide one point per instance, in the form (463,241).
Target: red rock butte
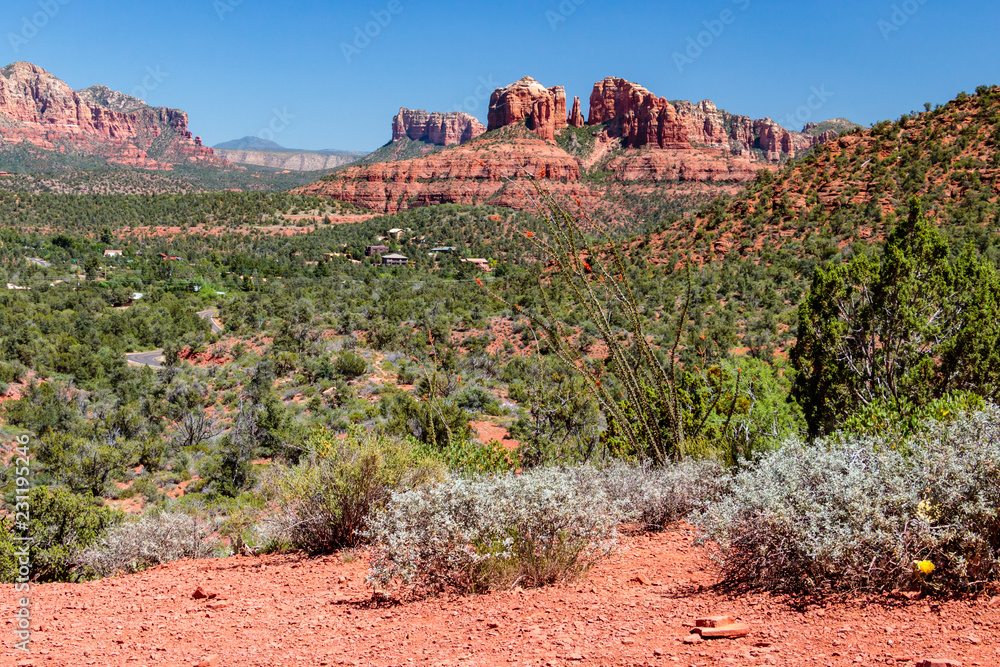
(636,115)
(542,109)
(39,109)
(443,129)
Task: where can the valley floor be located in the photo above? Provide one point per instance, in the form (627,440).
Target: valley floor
(635,609)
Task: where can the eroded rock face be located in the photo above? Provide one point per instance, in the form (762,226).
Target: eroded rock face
(636,115)
(38,108)
(473,173)
(543,109)
(707,125)
(576,116)
(443,129)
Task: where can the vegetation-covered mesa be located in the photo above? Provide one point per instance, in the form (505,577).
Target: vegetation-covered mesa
(806,372)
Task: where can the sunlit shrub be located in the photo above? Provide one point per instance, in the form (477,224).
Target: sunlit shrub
(479,534)
(857,514)
(152,540)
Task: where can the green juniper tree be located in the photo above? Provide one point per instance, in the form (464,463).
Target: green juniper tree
(897,330)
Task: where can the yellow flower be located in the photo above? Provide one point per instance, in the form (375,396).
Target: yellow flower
(925,566)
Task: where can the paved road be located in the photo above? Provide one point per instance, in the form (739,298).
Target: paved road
(155,358)
(152,359)
(210,315)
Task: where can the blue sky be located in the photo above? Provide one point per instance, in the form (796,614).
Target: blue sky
(297,70)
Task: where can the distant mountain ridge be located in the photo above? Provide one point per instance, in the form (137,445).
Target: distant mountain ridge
(251,143)
(287,160)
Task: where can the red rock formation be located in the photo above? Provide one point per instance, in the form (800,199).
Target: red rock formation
(38,108)
(576,116)
(706,125)
(543,109)
(473,173)
(636,115)
(443,129)
(700,165)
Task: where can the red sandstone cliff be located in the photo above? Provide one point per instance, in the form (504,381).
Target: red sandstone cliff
(443,129)
(543,109)
(707,125)
(636,115)
(475,172)
(38,108)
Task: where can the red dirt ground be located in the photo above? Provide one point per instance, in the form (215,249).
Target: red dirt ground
(287,610)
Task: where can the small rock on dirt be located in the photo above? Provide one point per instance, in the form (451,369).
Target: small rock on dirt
(200,594)
(939,662)
(713,621)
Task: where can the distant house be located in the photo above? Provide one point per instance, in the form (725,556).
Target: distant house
(394,260)
(113,253)
(376,250)
(446,248)
(17,287)
(396,233)
(479,263)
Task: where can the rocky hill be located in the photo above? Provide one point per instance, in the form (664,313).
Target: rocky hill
(632,140)
(39,110)
(852,188)
(473,173)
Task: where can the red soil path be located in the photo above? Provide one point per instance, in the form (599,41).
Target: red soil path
(633,610)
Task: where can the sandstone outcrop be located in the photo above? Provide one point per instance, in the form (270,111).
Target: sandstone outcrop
(576,116)
(542,109)
(474,173)
(443,129)
(636,115)
(38,108)
(707,125)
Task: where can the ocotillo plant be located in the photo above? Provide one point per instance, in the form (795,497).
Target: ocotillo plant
(643,404)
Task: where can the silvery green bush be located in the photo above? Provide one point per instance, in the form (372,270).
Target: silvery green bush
(471,535)
(858,513)
(657,496)
(152,540)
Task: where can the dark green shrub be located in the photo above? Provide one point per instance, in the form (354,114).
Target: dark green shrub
(61,524)
(351,365)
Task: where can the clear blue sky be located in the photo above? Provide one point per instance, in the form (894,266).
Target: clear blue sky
(242,67)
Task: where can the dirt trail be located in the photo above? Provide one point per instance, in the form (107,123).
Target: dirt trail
(633,610)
